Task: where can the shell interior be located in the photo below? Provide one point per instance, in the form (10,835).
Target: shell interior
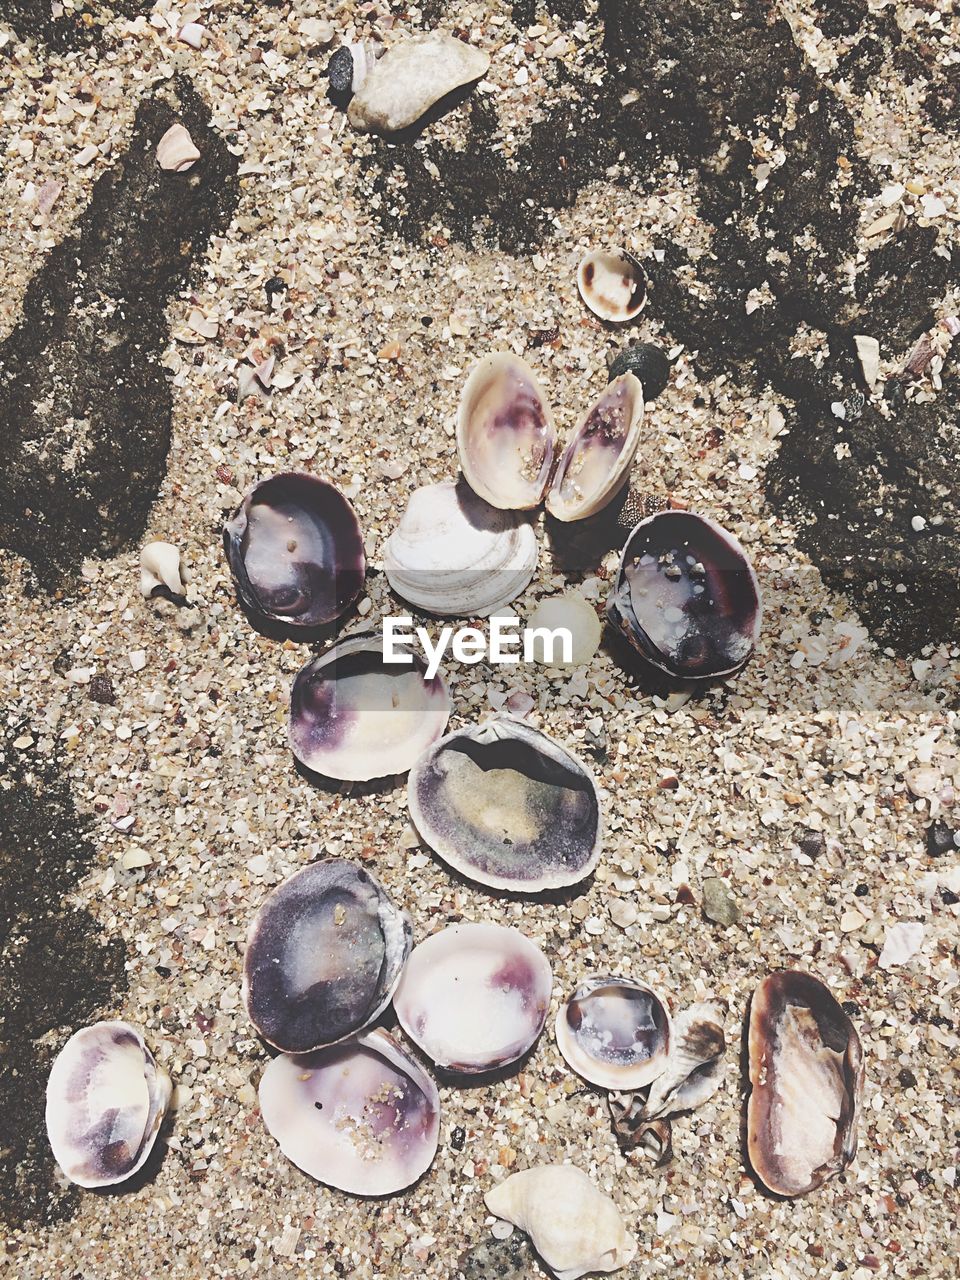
(595,462)
(686,596)
(615,1033)
(474,997)
(324,953)
(505,433)
(363,1117)
(296,551)
(106,1099)
(456,555)
(354,716)
(806,1069)
(612,284)
(508,807)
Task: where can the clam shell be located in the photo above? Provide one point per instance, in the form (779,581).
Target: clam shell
(296,551)
(505,433)
(455,555)
(474,997)
(612,284)
(106,1099)
(648,363)
(600,452)
(694,1064)
(508,807)
(363,1117)
(686,597)
(355,717)
(806,1072)
(324,954)
(615,1032)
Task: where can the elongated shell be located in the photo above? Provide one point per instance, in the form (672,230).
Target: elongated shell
(614,1032)
(324,954)
(806,1070)
(474,997)
(573,1226)
(505,433)
(354,716)
(106,1099)
(612,284)
(600,453)
(508,807)
(686,597)
(296,551)
(363,1116)
(455,555)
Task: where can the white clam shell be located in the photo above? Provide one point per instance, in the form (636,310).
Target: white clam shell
(355,717)
(574,1227)
(615,1032)
(176,150)
(474,997)
(455,555)
(160,567)
(505,433)
(362,1116)
(612,284)
(598,457)
(106,1099)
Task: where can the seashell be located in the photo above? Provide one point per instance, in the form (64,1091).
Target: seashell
(295,551)
(363,1117)
(454,554)
(574,614)
(324,954)
(106,1099)
(474,997)
(416,74)
(615,1032)
(354,716)
(686,597)
(192,33)
(806,1069)
(693,1068)
(634,1132)
(160,570)
(901,942)
(573,1226)
(507,807)
(176,151)
(600,452)
(505,433)
(647,362)
(612,284)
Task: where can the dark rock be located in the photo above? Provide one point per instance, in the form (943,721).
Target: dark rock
(647,362)
(811,843)
(510,1259)
(940,839)
(340,76)
(101,690)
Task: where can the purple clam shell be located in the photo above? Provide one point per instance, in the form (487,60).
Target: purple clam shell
(296,551)
(686,597)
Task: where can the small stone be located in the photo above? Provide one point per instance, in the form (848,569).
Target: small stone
(645,361)
(340,76)
(101,690)
(411,77)
(138,659)
(623,912)
(718,902)
(941,839)
(918,524)
(851,921)
(868,353)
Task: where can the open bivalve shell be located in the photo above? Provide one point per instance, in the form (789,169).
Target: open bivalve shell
(598,457)
(686,597)
(106,1099)
(505,433)
(355,717)
(612,284)
(615,1033)
(324,954)
(455,555)
(363,1117)
(508,807)
(573,1226)
(296,551)
(474,997)
(806,1069)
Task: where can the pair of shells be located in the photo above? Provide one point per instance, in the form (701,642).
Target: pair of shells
(325,954)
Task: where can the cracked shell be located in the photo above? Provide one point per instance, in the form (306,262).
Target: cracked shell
(508,807)
(615,1033)
(474,997)
(324,954)
(363,1117)
(598,457)
(354,716)
(806,1072)
(106,1099)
